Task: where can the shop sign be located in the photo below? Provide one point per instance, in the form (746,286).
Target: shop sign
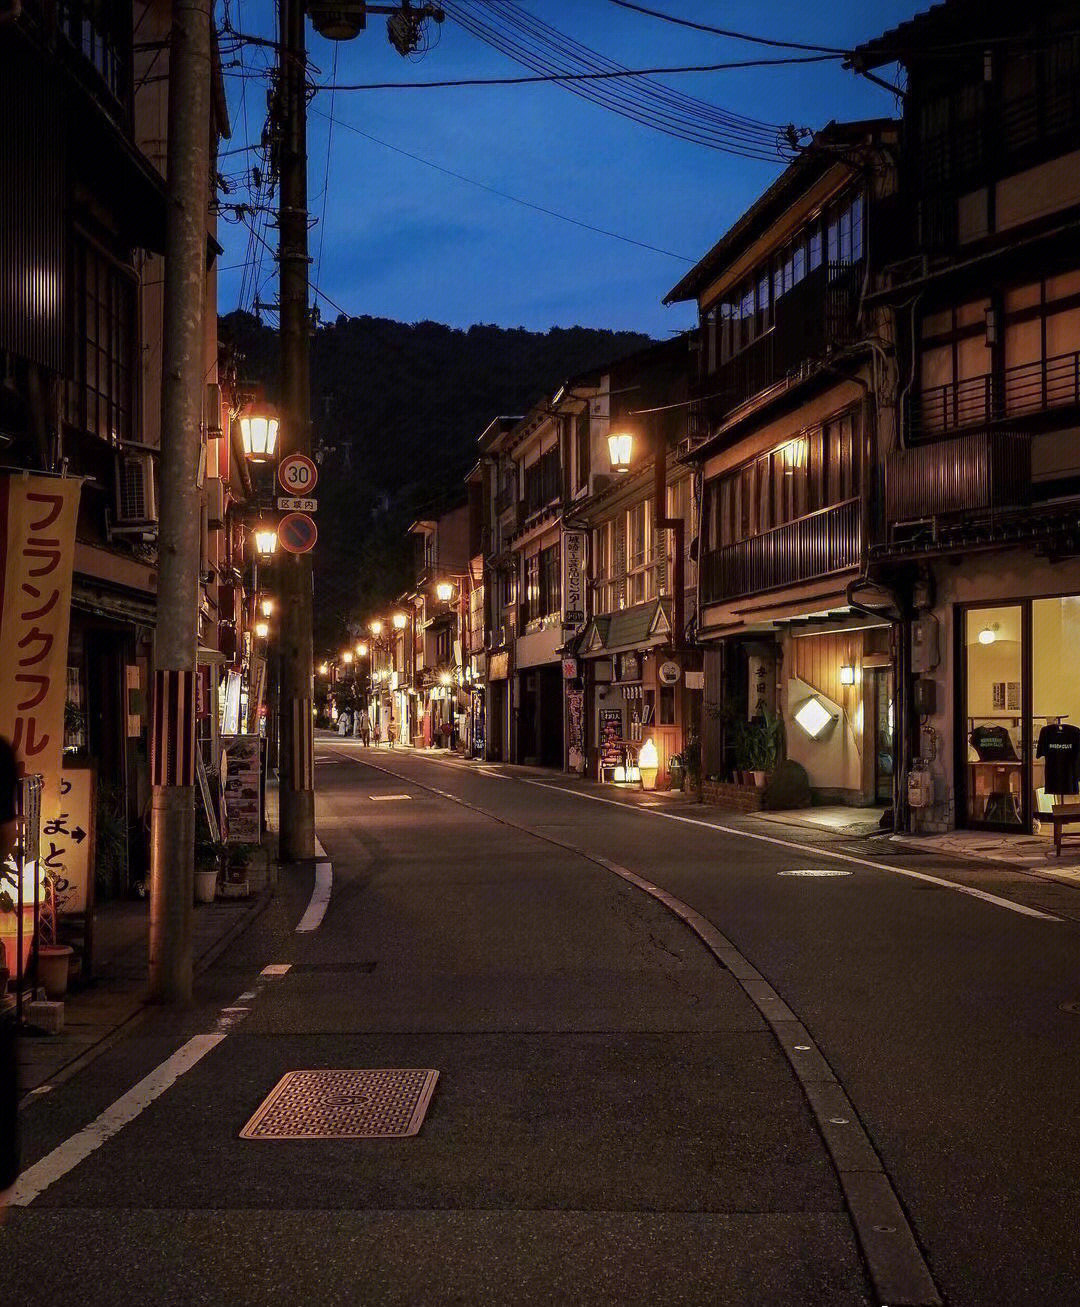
(669,673)
(67,842)
(575,742)
(569,669)
(37,552)
(628,667)
(761,689)
(240,774)
(499,666)
(611,746)
(573,577)
(695,680)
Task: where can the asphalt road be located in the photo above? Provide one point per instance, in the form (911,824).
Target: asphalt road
(614,1120)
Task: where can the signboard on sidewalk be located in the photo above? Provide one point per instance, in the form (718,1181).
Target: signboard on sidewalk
(575,729)
(242,790)
(573,578)
(67,842)
(611,748)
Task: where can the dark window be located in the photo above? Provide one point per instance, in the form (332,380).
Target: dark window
(550,589)
(100,395)
(667,705)
(542,481)
(97,30)
(531,603)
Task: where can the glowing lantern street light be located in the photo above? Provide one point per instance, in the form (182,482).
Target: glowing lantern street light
(444,591)
(259,433)
(266,606)
(346,657)
(620,450)
(399,620)
(375,627)
(265,540)
(324,669)
(262,630)
(361,650)
(648,764)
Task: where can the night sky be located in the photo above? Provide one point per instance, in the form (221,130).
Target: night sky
(399,239)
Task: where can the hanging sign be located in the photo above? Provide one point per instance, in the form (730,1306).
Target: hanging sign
(37,553)
(297,533)
(573,578)
(297,474)
(669,673)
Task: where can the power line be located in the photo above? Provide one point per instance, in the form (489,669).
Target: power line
(724,31)
(580,77)
(505,195)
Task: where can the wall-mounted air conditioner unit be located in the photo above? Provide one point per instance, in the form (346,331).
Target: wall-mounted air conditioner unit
(136,492)
(215,503)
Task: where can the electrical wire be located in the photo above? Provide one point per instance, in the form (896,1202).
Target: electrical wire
(724,31)
(505,195)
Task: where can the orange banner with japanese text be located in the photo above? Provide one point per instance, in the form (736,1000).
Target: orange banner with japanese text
(37,551)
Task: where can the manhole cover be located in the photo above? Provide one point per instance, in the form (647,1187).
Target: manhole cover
(815,871)
(381,1104)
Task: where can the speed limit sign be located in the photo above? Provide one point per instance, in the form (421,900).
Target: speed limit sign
(297,474)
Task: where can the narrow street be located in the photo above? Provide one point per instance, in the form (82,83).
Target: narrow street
(614,1120)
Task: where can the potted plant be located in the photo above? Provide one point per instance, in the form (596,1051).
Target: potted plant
(765,741)
(208,860)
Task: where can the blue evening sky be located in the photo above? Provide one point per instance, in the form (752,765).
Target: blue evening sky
(399,239)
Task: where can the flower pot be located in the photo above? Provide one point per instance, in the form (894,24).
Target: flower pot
(54,966)
(758,778)
(205,884)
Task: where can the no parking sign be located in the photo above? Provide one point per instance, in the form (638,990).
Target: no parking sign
(297,533)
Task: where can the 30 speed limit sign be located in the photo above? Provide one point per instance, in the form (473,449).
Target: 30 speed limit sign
(298,474)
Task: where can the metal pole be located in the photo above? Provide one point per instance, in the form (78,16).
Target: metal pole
(172,819)
(676,527)
(296,691)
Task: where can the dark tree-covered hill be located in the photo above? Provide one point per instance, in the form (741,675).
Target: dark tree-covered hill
(397,409)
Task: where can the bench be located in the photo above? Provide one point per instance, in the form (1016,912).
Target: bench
(1061,814)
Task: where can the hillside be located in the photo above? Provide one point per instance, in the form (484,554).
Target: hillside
(396,409)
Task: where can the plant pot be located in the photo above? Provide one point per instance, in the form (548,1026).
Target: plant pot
(54,966)
(206,879)
(9,937)
(758,779)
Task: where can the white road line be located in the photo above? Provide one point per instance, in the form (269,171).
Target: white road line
(276,969)
(55,1165)
(320,899)
(808,848)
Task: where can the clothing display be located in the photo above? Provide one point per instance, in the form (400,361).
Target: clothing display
(1059,745)
(993,744)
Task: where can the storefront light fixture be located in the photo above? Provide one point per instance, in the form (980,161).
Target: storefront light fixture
(259,433)
(648,764)
(399,620)
(262,630)
(814,717)
(989,633)
(847,674)
(620,450)
(444,592)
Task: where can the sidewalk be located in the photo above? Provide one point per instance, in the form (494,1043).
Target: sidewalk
(116,996)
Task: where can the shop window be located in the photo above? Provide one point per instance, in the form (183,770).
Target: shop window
(1055,700)
(993,716)
(667,705)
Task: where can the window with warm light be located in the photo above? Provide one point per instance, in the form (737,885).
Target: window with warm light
(814,717)
(640,580)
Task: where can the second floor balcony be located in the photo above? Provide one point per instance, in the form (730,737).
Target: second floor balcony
(817,314)
(1021,390)
(806,549)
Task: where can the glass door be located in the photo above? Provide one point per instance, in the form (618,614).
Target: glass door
(884,734)
(996,741)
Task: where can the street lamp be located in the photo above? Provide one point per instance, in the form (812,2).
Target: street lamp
(346,657)
(262,630)
(259,433)
(361,650)
(375,627)
(399,620)
(621,450)
(266,607)
(444,592)
(266,540)
(324,669)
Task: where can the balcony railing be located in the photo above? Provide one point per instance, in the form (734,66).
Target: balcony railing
(1024,388)
(810,547)
(980,471)
(820,312)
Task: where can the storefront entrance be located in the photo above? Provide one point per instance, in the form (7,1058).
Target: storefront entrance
(881,685)
(1019,729)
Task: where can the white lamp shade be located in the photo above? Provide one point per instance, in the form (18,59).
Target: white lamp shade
(262,630)
(375,627)
(346,657)
(620,450)
(987,635)
(259,435)
(265,540)
(814,717)
(444,592)
(399,620)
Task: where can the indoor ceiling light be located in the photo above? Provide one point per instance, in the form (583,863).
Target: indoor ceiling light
(989,633)
(814,717)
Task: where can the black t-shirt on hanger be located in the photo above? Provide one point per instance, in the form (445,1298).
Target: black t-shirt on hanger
(993,744)
(1059,744)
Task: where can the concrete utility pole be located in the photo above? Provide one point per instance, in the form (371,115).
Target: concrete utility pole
(295,738)
(172,821)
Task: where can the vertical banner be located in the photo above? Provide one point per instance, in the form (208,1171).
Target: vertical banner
(37,553)
(573,577)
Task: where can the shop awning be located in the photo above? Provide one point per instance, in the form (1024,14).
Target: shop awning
(633,628)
